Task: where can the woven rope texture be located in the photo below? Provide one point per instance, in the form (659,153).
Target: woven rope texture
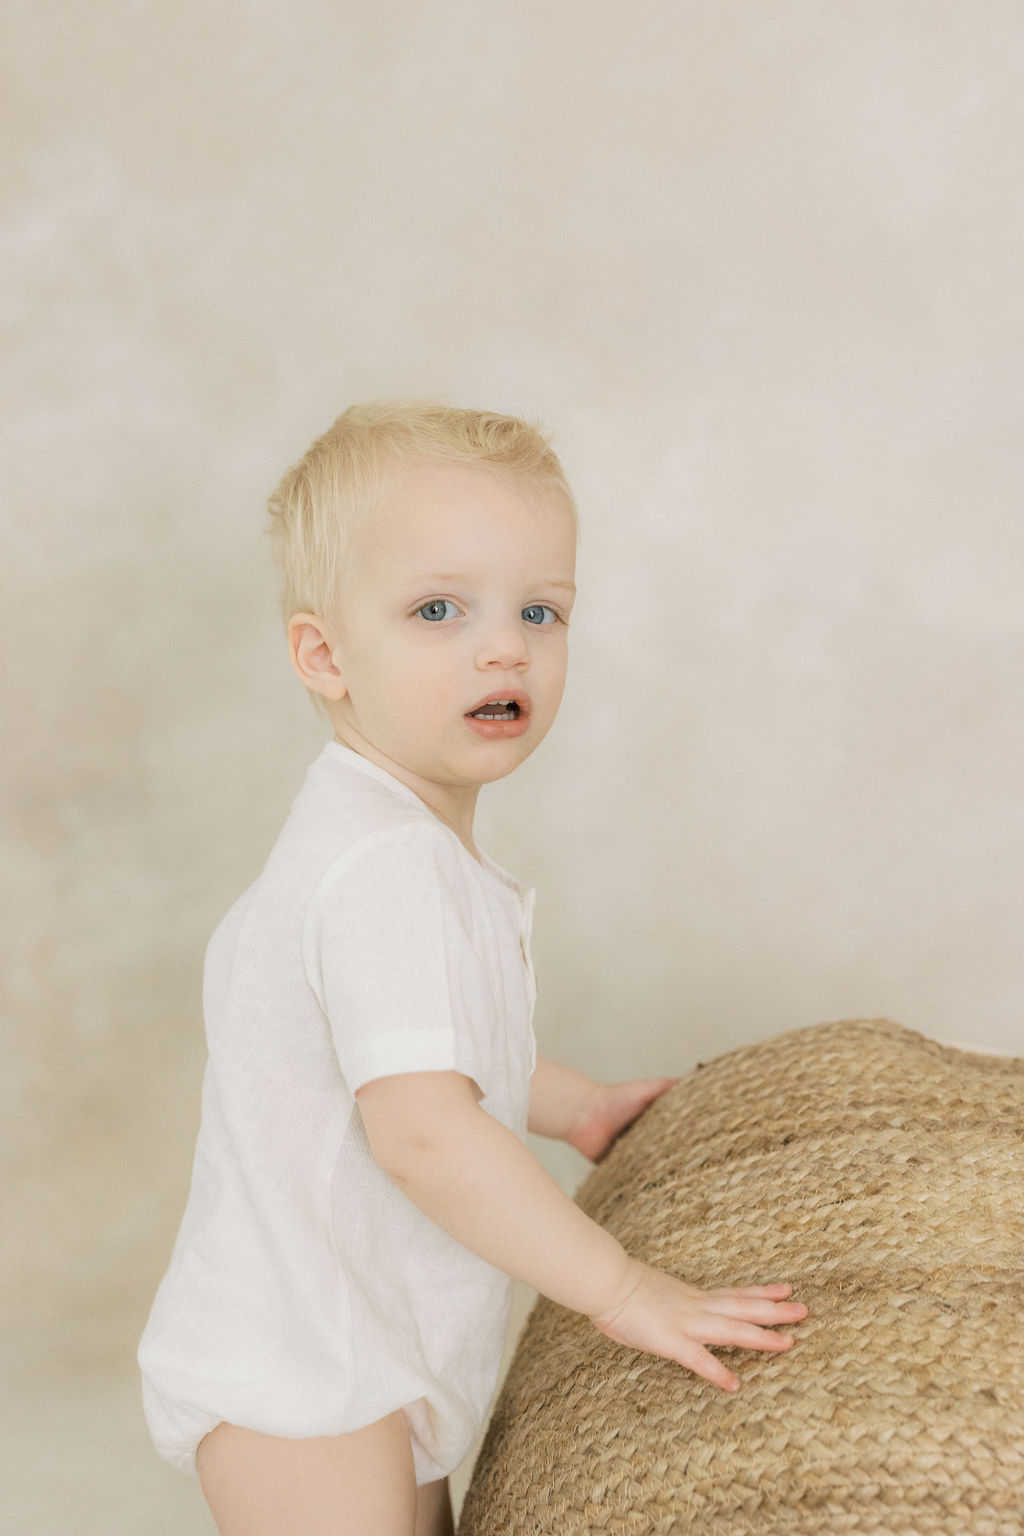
(883,1176)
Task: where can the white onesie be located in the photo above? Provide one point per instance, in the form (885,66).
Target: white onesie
(306,1295)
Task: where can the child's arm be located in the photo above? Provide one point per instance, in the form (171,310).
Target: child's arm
(587,1114)
(474,1177)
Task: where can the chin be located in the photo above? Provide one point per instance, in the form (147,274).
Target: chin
(503,765)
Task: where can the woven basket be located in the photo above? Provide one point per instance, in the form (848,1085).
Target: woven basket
(881,1174)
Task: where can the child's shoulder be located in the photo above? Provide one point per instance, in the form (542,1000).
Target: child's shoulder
(350,811)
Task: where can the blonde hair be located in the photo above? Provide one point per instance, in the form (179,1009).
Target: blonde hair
(342,475)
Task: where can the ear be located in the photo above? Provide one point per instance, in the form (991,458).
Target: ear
(314,655)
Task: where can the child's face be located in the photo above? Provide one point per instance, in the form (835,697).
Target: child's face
(455,602)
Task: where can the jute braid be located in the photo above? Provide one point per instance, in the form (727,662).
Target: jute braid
(883,1176)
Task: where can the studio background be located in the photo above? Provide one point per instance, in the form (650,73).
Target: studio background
(757,267)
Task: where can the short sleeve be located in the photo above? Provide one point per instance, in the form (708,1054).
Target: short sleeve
(389,950)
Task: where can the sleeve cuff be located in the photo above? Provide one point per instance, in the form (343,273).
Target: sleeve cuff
(409,1050)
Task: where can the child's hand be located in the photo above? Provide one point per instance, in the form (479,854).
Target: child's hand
(611,1109)
(666,1317)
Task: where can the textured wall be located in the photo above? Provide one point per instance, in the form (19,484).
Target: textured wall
(758,267)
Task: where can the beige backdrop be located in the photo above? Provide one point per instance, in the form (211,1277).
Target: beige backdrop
(759,269)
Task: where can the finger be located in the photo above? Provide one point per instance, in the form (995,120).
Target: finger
(768,1313)
(643,1091)
(703,1363)
(755,1292)
(740,1335)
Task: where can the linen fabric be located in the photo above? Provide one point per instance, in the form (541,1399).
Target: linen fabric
(306,1294)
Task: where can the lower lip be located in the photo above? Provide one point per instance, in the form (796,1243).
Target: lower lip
(496,730)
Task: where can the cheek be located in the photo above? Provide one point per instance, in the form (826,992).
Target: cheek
(417,675)
(555,661)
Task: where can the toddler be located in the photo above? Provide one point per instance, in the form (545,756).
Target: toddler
(326,1342)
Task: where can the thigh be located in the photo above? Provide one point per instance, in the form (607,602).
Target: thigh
(359,1484)
(434,1510)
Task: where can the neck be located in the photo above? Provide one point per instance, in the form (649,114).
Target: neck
(453,804)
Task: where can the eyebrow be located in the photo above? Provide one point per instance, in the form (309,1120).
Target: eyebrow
(444,578)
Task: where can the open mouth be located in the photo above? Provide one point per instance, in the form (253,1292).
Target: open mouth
(497,709)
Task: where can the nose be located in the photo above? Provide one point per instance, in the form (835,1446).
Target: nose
(503,645)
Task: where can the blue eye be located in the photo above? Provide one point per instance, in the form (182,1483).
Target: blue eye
(539,613)
(438,609)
